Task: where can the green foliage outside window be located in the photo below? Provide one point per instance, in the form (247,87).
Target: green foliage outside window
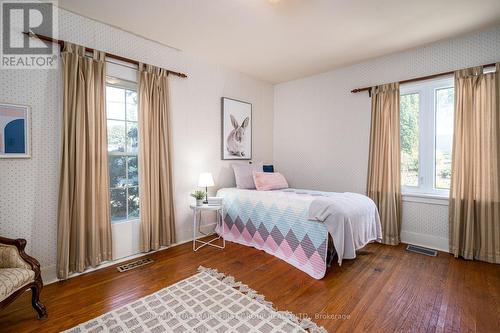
(409,109)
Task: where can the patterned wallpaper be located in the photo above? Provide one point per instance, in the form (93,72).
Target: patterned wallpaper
(425,224)
(29,187)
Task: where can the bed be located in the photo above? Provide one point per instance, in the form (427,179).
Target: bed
(302,227)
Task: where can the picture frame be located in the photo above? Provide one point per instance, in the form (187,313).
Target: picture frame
(15,131)
(236,131)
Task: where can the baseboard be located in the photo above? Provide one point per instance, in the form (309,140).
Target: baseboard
(430,241)
(49,273)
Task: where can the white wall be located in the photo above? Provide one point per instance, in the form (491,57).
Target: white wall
(29,188)
(321,130)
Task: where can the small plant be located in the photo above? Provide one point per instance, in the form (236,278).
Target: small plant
(198,195)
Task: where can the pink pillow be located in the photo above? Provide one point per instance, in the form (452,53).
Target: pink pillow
(265,181)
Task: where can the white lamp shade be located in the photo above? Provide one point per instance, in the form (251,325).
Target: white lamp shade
(205,180)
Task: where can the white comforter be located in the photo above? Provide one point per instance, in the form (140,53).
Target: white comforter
(351,219)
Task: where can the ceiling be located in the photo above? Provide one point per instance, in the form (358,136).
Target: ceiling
(281,40)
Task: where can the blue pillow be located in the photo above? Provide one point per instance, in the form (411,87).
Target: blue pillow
(268,168)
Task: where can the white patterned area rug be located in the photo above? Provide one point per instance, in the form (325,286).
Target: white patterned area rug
(206,302)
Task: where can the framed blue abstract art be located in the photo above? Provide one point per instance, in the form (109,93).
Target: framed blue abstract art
(15,141)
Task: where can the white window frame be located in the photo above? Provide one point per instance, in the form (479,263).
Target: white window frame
(427,136)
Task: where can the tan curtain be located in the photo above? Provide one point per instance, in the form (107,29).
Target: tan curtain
(474,211)
(155,170)
(84,230)
(384,180)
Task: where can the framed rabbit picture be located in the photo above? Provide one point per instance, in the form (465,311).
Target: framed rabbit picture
(236,129)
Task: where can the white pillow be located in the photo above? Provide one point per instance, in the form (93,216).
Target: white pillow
(243,173)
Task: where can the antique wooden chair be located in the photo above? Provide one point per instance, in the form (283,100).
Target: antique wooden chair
(18,273)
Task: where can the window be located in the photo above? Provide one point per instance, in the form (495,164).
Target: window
(121,111)
(426,136)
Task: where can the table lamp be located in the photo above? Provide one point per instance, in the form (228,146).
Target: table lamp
(205,181)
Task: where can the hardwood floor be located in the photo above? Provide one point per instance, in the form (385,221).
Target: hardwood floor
(385,289)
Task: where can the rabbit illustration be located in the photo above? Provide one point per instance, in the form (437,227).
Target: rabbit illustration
(236,138)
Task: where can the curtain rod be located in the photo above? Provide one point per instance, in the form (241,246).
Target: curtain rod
(422,78)
(88,49)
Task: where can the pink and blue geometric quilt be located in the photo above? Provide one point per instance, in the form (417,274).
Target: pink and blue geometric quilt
(277,222)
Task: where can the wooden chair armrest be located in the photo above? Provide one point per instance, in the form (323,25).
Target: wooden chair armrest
(27,261)
(20,244)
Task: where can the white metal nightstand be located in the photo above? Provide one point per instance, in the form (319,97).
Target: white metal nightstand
(219,210)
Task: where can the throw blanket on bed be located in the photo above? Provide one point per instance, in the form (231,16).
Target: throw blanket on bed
(352,220)
(293,225)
